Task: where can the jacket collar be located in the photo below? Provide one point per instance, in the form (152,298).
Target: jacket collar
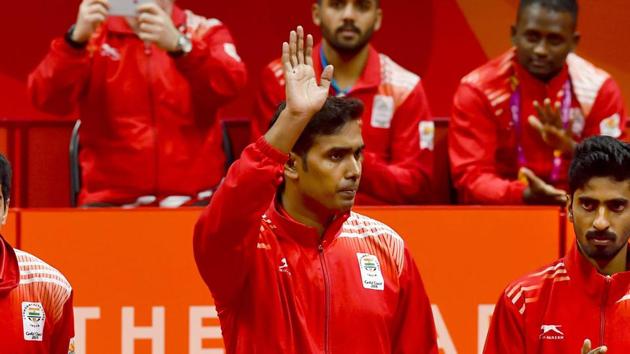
(118,24)
(370,77)
(529,83)
(591,281)
(290,228)
(9,269)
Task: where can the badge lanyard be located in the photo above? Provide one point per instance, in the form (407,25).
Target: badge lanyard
(338,91)
(565,111)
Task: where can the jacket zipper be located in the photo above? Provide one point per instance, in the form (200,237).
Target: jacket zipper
(327,299)
(149,53)
(602,324)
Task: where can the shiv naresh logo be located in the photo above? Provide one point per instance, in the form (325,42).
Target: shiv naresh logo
(551,332)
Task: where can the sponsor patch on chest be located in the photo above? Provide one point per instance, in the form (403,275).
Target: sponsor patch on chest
(382,112)
(371,275)
(33,318)
(551,332)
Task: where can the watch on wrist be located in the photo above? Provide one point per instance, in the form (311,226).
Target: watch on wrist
(71,42)
(184,46)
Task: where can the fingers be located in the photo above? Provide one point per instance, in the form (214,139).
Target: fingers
(535,123)
(309,50)
(539,111)
(326,78)
(300,44)
(293,48)
(286,58)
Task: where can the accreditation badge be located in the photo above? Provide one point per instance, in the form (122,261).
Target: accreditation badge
(371,275)
(33,318)
(382,111)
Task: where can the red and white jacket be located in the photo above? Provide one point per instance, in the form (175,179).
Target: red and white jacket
(35,305)
(483,139)
(397,128)
(281,288)
(553,310)
(149,124)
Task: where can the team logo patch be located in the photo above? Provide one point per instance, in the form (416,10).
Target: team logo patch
(551,332)
(33,318)
(371,275)
(427,135)
(610,126)
(382,111)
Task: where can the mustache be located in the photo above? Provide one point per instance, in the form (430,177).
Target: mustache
(606,235)
(349,27)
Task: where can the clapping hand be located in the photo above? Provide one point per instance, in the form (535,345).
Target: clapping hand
(550,126)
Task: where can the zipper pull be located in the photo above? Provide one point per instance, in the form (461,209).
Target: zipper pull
(320,248)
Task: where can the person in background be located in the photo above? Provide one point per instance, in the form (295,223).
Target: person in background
(397,125)
(36,313)
(148,88)
(516,120)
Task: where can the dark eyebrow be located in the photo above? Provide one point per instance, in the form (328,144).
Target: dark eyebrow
(617,200)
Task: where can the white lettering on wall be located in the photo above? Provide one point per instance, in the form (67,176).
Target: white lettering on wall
(198,332)
(131,332)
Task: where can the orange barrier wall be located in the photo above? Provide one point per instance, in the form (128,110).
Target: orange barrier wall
(135,268)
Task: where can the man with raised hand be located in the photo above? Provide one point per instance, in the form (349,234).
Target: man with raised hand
(581,301)
(516,120)
(148,88)
(397,126)
(36,315)
(291,268)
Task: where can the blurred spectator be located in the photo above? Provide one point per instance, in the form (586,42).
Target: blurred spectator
(517,119)
(148,88)
(397,128)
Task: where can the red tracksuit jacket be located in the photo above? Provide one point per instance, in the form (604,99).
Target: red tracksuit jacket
(397,128)
(280,288)
(553,310)
(149,122)
(35,306)
(483,139)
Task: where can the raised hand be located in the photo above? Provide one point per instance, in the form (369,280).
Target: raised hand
(539,192)
(549,125)
(91,14)
(305,96)
(586,348)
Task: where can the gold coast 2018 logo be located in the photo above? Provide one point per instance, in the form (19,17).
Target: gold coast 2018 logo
(33,319)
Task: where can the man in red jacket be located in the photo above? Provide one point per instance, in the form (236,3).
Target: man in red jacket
(397,125)
(148,89)
(35,299)
(291,268)
(516,120)
(583,299)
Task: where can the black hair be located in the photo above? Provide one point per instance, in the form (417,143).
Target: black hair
(599,156)
(570,6)
(336,112)
(5,179)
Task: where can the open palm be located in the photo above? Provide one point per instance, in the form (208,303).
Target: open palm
(305,96)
